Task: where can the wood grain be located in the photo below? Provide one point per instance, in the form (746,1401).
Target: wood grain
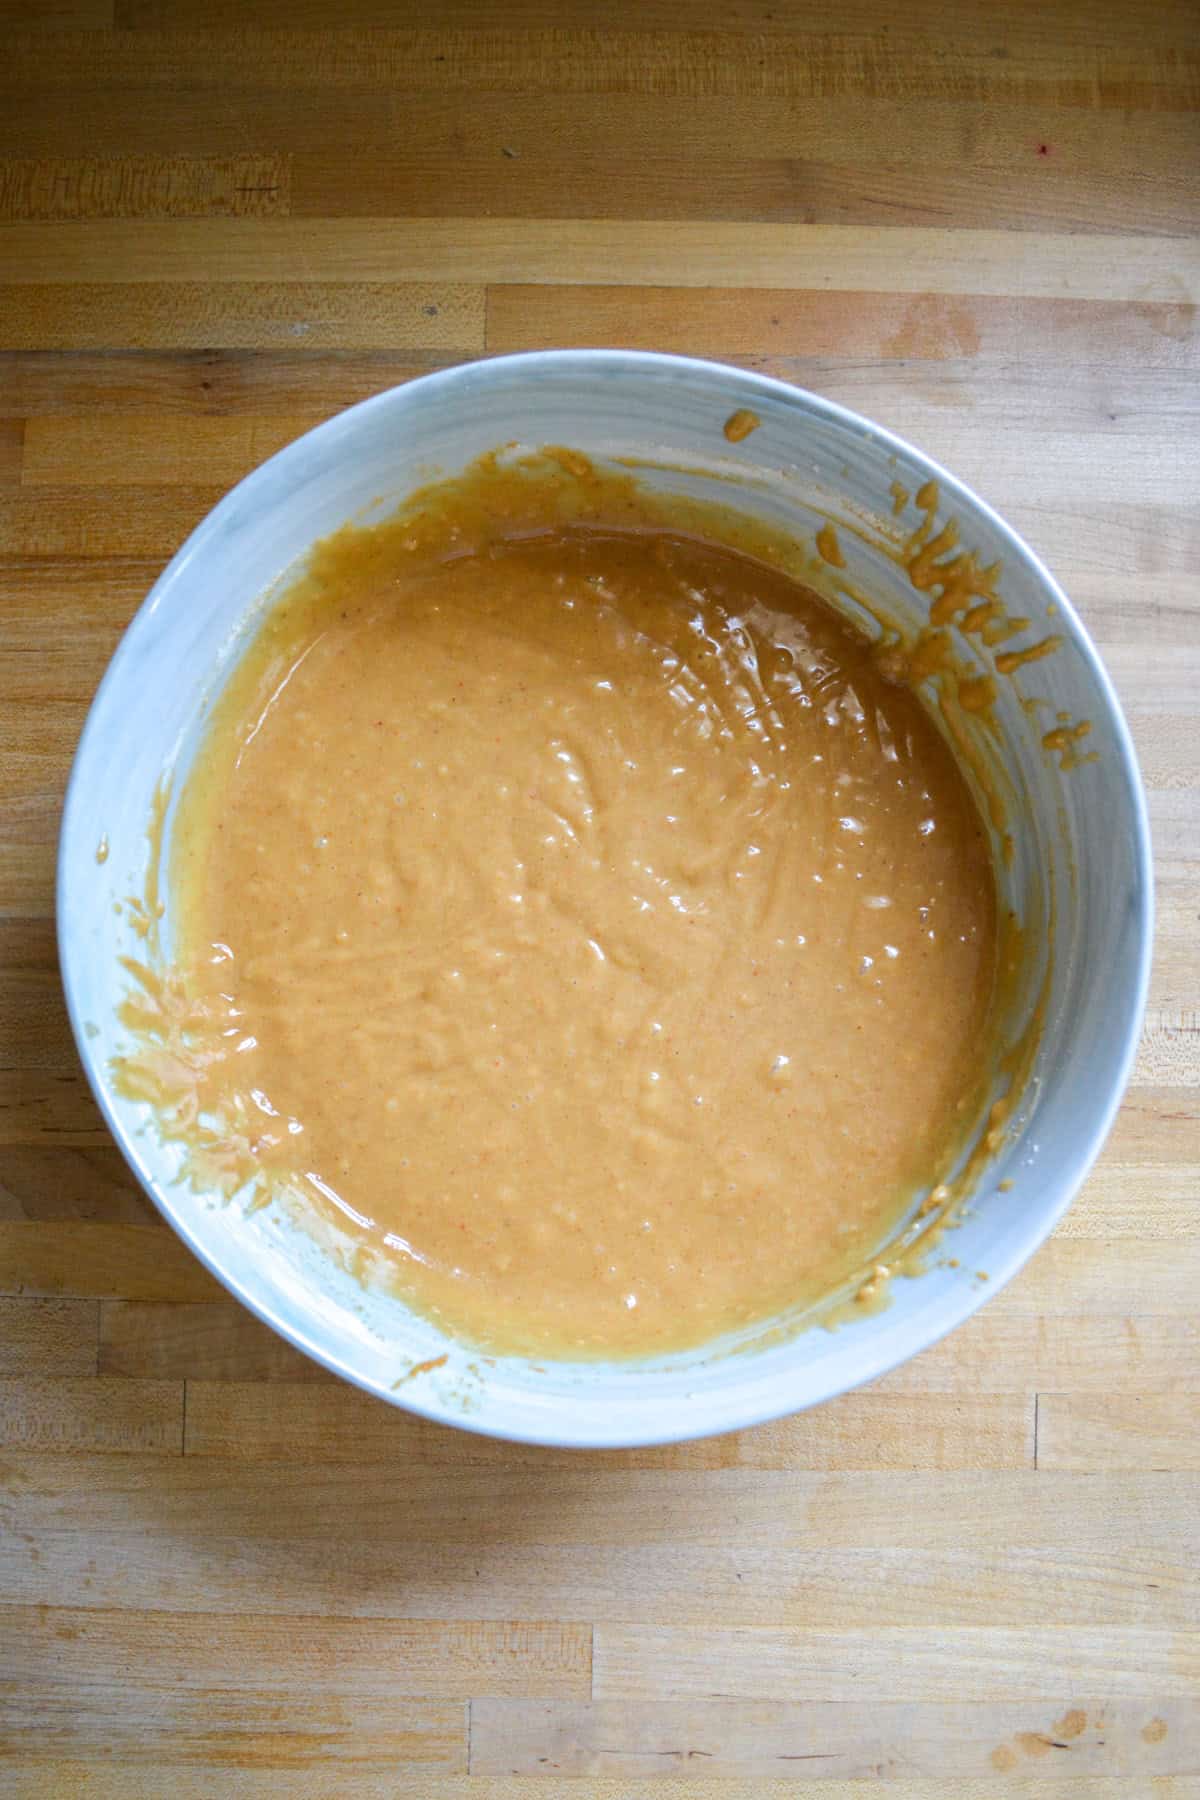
(896,1663)
(848,258)
(1118,1431)
(95,524)
(244,315)
(47,1181)
(353,1655)
(222,1573)
(12,451)
(1072,66)
(820,1589)
(82,1259)
(91,1415)
(209,381)
(133,187)
(549,179)
(820,1740)
(1110,23)
(928,327)
(198,1341)
(111,1780)
(70,1686)
(146,1497)
(65,452)
(787,128)
(90,15)
(48,1337)
(859,1431)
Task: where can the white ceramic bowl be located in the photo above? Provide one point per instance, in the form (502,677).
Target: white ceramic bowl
(1081,872)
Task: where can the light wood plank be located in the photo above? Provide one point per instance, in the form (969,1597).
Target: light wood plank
(1049,139)
(1140,688)
(267,1421)
(158,1693)
(1119,1431)
(48,1337)
(1159,1124)
(1136,25)
(1105,403)
(98,524)
(1075,1351)
(75,1651)
(157,1731)
(1081,1275)
(186,315)
(64,452)
(37,1107)
(84,608)
(1050,1665)
(846,1740)
(1166,1055)
(92,1415)
(1174,824)
(1154,734)
(98,1261)
(1079,70)
(131,187)
(1144,544)
(46,1181)
(35,1032)
(1169,1053)
(215,1340)
(1121,1200)
(381,1504)
(1011,481)
(213,381)
(36,746)
(778,322)
(556,173)
(27,852)
(850,258)
(212,1782)
(1128,392)
(1060,153)
(687,1586)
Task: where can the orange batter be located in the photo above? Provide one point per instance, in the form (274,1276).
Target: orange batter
(584,923)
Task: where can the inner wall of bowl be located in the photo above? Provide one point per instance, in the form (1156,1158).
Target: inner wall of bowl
(1075,873)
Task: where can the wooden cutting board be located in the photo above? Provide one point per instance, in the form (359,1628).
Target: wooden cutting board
(220,1572)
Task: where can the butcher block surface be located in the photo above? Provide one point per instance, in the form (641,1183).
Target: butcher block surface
(221,1571)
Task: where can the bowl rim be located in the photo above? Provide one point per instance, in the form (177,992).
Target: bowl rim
(741,386)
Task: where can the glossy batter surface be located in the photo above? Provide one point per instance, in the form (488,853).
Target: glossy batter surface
(598,935)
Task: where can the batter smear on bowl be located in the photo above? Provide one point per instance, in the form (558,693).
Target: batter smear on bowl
(571,912)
